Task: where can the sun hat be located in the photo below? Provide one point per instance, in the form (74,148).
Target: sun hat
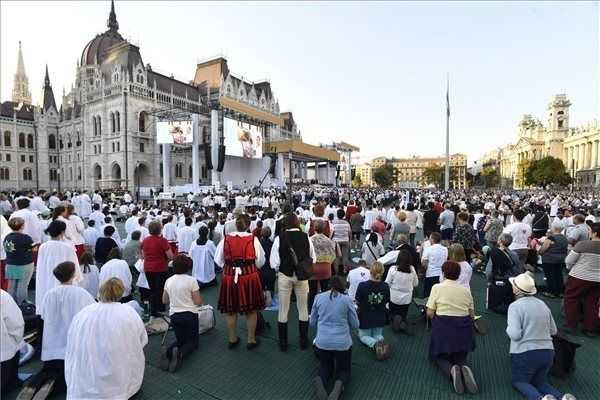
(524,284)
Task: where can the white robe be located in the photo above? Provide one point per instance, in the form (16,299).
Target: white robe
(90,280)
(12,326)
(86,205)
(116,268)
(105,353)
(203,258)
(58,309)
(52,253)
(186,236)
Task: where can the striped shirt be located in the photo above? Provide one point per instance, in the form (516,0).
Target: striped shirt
(341,230)
(584,261)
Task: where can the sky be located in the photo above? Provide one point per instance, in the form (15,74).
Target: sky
(369,73)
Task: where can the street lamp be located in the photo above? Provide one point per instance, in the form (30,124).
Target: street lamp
(137,181)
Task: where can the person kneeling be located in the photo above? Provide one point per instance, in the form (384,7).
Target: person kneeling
(58,309)
(450,306)
(182,293)
(371,297)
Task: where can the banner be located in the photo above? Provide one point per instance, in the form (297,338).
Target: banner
(174,132)
(242,139)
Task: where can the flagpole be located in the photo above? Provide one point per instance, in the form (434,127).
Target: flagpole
(447,169)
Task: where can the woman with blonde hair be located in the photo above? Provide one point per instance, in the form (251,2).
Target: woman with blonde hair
(111,337)
(456,253)
(371,297)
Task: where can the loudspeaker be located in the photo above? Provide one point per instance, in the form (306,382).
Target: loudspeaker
(208,157)
(221,162)
(272,165)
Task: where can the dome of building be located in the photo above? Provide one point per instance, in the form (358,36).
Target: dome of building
(95,51)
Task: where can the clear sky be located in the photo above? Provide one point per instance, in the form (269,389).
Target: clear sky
(372,74)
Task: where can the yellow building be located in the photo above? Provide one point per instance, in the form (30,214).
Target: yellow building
(365,171)
(578,147)
(409,171)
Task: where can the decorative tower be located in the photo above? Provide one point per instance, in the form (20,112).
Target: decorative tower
(21,93)
(558,124)
(48,94)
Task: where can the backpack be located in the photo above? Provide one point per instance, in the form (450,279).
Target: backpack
(564,356)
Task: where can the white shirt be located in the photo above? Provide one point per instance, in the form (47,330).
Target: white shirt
(91,235)
(275,261)
(111,338)
(58,309)
(86,205)
(52,253)
(90,281)
(170,232)
(258,251)
(132,224)
(12,327)
(54,201)
(37,204)
(436,255)
(520,232)
(97,199)
(127,198)
(401,285)
(355,277)
(203,257)
(370,217)
(186,235)
(464,279)
(32,225)
(98,218)
(116,268)
(179,287)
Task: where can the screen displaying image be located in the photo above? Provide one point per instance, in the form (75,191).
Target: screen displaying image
(242,139)
(174,132)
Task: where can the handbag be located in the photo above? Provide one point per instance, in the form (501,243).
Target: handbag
(304,268)
(206,319)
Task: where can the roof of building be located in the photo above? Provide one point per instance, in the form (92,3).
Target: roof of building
(164,83)
(48,93)
(96,49)
(25,112)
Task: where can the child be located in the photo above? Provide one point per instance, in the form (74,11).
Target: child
(371,297)
(90,274)
(402,279)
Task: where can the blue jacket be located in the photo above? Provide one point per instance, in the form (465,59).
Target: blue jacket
(334,318)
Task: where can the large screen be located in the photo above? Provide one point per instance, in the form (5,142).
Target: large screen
(174,132)
(242,139)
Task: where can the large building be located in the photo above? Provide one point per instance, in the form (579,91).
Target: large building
(410,171)
(104,133)
(577,147)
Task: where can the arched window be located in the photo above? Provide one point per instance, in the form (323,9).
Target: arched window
(99,125)
(560,123)
(7,139)
(78,143)
(4,174)
(95,126)
(178,170)
(190,172)
(21,140)
(61,144)
(51,142)
(25,174)
(160,168)
(69,142)
(30,141)
(142,121)
(71,173)
(113,125)
(118,120)
(78,173)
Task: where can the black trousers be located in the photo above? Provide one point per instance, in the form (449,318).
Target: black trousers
(399,309)
(185,325)
(428,284)
(156,281)
(338,361)
(56,369)
(313,290)
(554,277)
(447,360)
(9,378)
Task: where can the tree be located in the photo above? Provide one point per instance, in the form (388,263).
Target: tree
(547,171)
(521,173)
(357,181)
(490,177)
(384,176)
(434,175)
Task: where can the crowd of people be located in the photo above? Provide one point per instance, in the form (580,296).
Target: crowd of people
(353,261)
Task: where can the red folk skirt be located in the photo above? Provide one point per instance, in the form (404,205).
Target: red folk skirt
(79,249)
(173,246)
(242,297)
(3,281)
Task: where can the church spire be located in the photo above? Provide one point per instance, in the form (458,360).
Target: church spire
(21,92)
(113,25)
(48,93)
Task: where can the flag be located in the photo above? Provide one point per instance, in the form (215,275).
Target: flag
(448,100)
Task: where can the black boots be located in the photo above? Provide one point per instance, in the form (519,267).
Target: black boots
(303,327)
(283,335)
(337,390)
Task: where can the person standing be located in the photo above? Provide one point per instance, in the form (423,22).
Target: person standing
(290,277)
(342,234)
(325,253)
(430,220)
(446,222)
(432,260)
(520,233)
(554,251)
(240,255)
(19,260)
(11,336)
(530,327)
(156,253)
(202,253)
(334,316)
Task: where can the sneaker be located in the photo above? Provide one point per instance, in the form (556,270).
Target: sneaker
(175,361)
(457,380)
(164,358)
(568,396)
(382,350)
(232,345)
(252,346)
(548,397)
(469,379)
(337,390)
(320,389)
